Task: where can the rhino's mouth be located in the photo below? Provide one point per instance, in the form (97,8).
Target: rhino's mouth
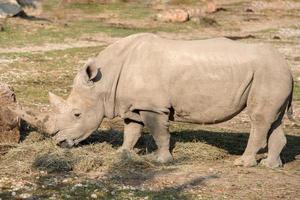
(62,141)
(67,142)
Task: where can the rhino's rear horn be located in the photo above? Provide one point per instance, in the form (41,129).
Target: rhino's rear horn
(57,102)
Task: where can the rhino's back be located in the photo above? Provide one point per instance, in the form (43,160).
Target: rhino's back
(203,81)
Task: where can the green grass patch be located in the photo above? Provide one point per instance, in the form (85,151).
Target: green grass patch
(20,35)
(187,2)
(296,94)
(124,10)
(39,73)
(51,5)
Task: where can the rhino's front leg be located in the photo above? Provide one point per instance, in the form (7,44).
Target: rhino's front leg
(132,132)
(158,125)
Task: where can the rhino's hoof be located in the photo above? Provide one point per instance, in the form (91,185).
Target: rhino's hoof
(271,163)
(122,149)
(164,157)
(245,161)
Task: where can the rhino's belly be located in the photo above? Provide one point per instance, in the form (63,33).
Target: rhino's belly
(207,116)
(208,105)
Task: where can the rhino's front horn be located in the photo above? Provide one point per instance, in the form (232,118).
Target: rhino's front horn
(38,120)
(57,102)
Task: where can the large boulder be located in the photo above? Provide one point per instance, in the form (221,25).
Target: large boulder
(186,13)
(9,122)
(9,8)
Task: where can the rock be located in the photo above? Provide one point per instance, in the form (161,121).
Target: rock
(78,185)
(25,196)
(9,8)
(211,7)
(276,37)
(195,13)
(191,13)
(28,3)
(250,10)
(94,196)
(9,122)
(174,15)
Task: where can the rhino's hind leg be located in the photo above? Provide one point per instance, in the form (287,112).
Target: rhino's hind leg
(257,140)
(277,141)
(158,125)
(132,132)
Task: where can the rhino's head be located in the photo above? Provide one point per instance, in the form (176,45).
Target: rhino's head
(75,118)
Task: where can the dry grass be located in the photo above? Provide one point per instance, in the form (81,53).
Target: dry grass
(38,152)
(96,164)
(192,152)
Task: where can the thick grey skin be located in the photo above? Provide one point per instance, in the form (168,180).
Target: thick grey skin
(148,80)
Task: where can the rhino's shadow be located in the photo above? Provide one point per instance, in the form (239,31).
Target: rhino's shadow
(232,142)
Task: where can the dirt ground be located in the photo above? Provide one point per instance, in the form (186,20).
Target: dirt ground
(44,52)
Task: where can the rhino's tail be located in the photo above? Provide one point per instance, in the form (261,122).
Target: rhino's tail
(289,108)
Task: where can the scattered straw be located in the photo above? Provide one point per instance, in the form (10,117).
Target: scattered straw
(38,152)
(197,152)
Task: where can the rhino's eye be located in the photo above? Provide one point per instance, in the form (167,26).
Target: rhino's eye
(77,115)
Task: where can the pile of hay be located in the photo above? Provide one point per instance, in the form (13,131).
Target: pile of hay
(37,152)
(40,153)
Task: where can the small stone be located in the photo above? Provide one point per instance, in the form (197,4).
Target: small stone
(173,15)
(65,180)
(94,196)
(25,196)
(195,13)
(78,185)
(249,10)
(276,37)
(211,7)
(13,194)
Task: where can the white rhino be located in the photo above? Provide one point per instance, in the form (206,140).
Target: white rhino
(148,81)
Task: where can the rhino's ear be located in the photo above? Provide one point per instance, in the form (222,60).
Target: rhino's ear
(91,72)
(57,102)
